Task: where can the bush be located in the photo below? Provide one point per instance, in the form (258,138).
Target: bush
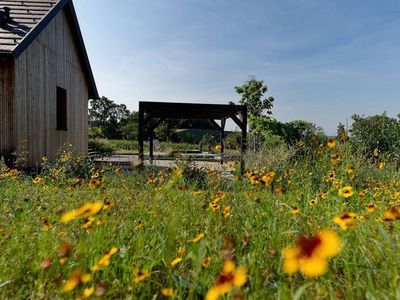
(68,165)
(377,132)
(102,147)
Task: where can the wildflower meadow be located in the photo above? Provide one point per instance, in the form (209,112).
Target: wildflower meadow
(320,225)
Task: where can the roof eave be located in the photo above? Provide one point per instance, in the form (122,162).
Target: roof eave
(30,37)
(93,92)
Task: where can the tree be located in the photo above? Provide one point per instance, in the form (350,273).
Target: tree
(109,116)
(252,93)
(377,132)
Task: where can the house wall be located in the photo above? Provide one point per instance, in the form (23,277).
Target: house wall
(6,107)
(51,60)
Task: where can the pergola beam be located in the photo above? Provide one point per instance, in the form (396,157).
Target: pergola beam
(149,111)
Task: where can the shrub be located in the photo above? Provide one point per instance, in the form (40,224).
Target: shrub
(68,165)
(377,132)
(102,147)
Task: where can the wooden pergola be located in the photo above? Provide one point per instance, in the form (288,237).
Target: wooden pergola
(152,114)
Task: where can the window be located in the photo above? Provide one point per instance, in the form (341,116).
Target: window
(61,108)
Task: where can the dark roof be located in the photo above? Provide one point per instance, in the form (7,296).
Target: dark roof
(29,18)
(191,110)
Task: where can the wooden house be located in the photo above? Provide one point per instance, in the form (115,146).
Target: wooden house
(45,79)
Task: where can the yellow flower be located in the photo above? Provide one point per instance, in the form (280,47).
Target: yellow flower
(376,152)
(206,262)
(309,255)
(181,250)
(370,207)
(227,211)
(312,202)
(214,206)
(392,213)
(345,221)
(229,277)
(84,211)
(346,191)
(176,261)
(218,147)
(75,279)
(350,170)
(37,180)
(140,275)
(295,210)
(268,178)
(381,165)
(331,143)
(279,190)
(331,175)
(88,292)
(93,183)
(88,222)
(167,292)
(104,260)
(198,238)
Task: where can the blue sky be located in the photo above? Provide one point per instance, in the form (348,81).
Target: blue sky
(321,60)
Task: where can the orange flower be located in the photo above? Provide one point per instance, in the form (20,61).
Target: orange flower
(167,292)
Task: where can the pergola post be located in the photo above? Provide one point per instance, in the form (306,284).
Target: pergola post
(151,142)
(221,140)
(243,117)
(141,132)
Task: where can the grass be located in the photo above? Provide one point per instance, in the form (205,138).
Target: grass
(150,215)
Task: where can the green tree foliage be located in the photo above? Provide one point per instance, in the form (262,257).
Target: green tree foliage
(378,131)
(252,94)
(130,129)
(341,130)
(290,132)
(109,116)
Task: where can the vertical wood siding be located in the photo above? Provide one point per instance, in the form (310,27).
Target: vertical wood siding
(51,60)
(6,107)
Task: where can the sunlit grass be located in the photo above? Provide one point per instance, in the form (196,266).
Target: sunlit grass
(158,235)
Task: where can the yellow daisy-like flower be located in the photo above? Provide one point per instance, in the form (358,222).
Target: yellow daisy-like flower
(75,279)
(331,143)
(93,183)
(88,292)
(206,262)
(312,202)
(140,275)
(370,207)
(104,260)
(350,170)
(295,210)
(376,152)
(84,211)
(198,238)
(309,255)
(181,250)
(37,180)
(167,292)
(381,165)
(229,277)
(176,261)
(345,221)
(346,191)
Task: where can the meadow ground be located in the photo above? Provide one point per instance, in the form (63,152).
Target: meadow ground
(323,226)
